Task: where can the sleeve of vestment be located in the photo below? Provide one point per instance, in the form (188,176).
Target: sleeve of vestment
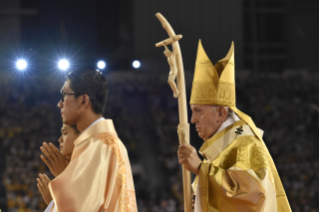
(242,182)
(95,179)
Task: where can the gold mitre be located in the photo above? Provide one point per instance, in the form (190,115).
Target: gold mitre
(214,85)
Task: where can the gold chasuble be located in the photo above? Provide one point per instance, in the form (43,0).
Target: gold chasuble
(238,173)
(99,176)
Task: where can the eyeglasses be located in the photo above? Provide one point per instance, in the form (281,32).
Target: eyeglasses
(63,95)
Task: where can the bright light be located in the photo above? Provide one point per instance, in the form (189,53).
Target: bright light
(63,64)
(136,64)
(101,64)
(21,64)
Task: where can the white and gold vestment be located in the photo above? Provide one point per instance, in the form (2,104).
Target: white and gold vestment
(238,173)
(99,176)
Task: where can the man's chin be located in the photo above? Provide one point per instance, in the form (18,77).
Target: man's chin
(66,121)
(200,134)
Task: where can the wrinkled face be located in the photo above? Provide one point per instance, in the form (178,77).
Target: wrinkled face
(67,140)
(69,106)
(205,118)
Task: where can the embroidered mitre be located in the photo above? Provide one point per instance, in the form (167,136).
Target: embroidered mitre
(215,85)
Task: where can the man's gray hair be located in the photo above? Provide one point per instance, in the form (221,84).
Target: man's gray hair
(228,109)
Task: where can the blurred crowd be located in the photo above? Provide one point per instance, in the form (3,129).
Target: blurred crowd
(28,117)
(285,107)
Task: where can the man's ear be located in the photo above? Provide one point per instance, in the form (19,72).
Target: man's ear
(222,113)
(85,100)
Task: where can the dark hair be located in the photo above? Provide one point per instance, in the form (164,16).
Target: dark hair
(92,83)
(76,130)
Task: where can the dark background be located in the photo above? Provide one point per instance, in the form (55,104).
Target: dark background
(270,35)
(276,53)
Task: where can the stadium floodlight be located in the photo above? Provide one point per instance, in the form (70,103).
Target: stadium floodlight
(63,64)
(136,64)
(101,64)
(21,64)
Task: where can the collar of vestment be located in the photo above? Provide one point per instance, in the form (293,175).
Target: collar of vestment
(213,146)
(96,121)
(230,120)
(102,126)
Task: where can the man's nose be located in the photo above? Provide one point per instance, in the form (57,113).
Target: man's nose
(60,105)
(193,119)
(60,139)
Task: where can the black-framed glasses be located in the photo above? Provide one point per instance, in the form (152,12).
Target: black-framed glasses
(63,95)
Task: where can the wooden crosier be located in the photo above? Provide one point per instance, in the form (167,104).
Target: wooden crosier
(175,61)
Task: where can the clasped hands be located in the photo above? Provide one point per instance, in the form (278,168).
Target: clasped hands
(54,159)
(56,163)
(43,186)
(187,155)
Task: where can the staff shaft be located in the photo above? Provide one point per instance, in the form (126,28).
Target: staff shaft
(182,109)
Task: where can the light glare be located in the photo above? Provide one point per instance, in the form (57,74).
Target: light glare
(136,64)
(63,65)
(21,64)
(101,64)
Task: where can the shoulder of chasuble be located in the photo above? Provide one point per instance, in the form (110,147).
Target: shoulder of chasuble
(245,152)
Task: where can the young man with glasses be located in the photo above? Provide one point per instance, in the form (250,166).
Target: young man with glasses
(99,176)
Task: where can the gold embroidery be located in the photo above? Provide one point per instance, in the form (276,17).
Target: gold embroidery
(204,92)
(127,201)
(214,94)
(278,185)
(259,158)
(243,153)
(217,136)
(228,159)
(226,94)
(121,181)
(132,202)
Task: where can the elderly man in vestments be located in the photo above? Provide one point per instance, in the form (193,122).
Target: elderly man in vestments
(238,173)
(98,177)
